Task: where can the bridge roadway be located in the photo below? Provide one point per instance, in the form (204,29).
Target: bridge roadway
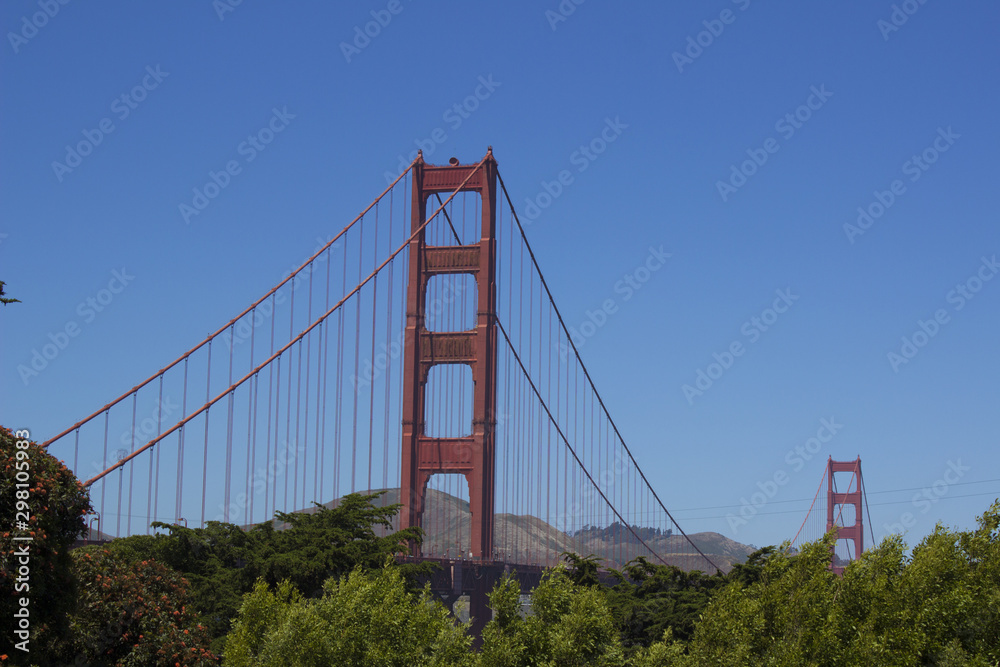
(476,578)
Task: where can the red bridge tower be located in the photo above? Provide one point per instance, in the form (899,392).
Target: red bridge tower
(473,455)
(855,533)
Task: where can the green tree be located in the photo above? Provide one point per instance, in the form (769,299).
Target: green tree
(223,561)
(650,599)
(665,652)
(751,570)
(368,618)
(938,606)
(333,542)
(5,300)
(569,625)
(38,489)
(582,570)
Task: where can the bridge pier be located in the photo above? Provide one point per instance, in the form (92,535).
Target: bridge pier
(477,579)
(479,610)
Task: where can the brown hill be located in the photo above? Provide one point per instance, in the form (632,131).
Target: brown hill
(529,539)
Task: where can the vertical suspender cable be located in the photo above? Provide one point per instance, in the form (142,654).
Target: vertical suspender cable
(104,485)
(822,479)
(229,433)
(506,403)
(180,449)
(578,438)
(153,455)
(531,312)
(527,430)
(548,429)
(318,495)
(292,456)
(131,469)
(326,375)
(252,466)
(159,430)
(357,356)
(388,364)
(299,444)
(371,394)
(407,184)
(340,384)
(118,522)
(270,469)
(284,454)
(305,416)
(204,467)
(587,374)
(251,427)
(864,497)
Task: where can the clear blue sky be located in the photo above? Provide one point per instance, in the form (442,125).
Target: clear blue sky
(687,114)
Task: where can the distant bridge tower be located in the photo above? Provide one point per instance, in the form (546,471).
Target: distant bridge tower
(473,455)
(854,533)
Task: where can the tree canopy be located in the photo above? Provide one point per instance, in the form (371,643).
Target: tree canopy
(939,605)
(364,618)
(131,613)
(569,624)
(325,587)
(223,561)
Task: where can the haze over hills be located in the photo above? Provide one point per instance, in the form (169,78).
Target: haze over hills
(529,539)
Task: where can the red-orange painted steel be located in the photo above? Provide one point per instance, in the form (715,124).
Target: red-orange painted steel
(855,533)
(473,456)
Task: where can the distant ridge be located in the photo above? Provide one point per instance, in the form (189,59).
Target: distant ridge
(530,539)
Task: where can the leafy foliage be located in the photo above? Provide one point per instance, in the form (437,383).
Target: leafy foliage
(222,561)
(365,618)
(582,570)
(3,299)
(650,599)
(128,604)
(570,624)
(132,614)
(332,543)
(57,503)
(939,606)
(752,570)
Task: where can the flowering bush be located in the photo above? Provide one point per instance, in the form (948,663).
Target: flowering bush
(132,613)
(56,505)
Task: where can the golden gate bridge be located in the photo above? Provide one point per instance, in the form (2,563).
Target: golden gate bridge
(418,352)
